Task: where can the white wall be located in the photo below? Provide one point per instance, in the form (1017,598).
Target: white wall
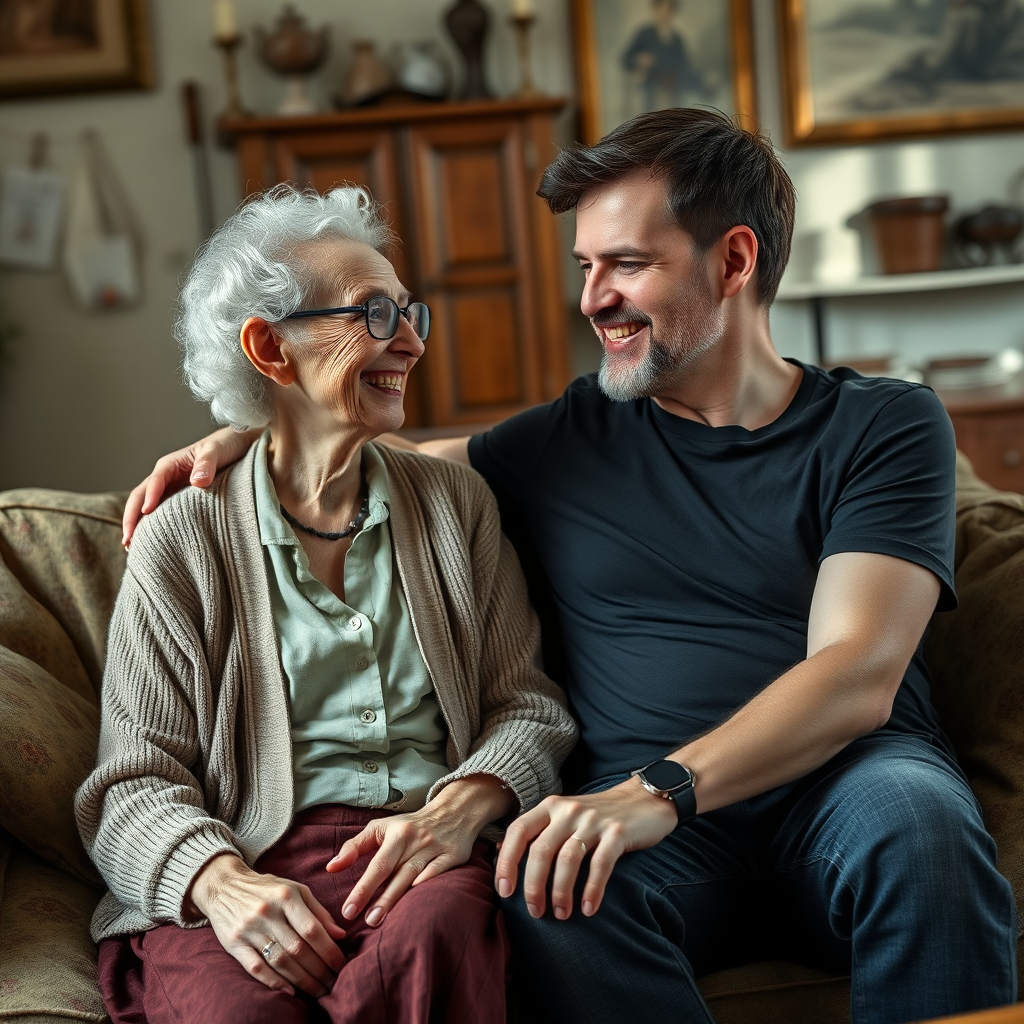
(88,401)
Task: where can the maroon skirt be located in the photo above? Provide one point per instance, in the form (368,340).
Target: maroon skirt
(440,954)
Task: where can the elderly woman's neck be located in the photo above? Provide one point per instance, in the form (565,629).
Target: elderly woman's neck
(316,469)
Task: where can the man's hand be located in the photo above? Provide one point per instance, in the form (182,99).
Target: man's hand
(197,465)
(410,848)
(561,831)
(248,910)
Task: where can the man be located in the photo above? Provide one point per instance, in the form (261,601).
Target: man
(737,555)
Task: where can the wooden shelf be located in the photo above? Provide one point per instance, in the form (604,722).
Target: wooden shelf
(897,284)
(385,113)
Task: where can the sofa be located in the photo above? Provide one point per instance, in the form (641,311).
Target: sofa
(60,565)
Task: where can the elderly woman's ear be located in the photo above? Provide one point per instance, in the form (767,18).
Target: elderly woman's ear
(261,344)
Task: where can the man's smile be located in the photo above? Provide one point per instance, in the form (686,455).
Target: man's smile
(616,337)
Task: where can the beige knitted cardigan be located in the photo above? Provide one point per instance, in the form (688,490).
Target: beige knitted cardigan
(195,745)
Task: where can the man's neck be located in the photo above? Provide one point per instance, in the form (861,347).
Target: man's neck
(741,381)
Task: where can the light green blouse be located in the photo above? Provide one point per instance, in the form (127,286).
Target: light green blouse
(366,726)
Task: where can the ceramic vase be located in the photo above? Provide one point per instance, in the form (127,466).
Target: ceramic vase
(468,22)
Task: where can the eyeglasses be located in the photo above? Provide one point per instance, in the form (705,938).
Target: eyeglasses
(381,316)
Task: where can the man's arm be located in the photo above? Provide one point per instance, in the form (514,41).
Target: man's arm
(454,449)
(868,614)
(199,463)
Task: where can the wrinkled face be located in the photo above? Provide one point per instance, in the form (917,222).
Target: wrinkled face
(341,367)
(648,294)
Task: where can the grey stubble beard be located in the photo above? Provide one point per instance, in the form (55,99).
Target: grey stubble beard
(695,330)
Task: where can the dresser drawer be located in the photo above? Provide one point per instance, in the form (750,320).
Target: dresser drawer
(994,442)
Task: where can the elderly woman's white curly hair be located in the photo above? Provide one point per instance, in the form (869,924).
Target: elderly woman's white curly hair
(249,268)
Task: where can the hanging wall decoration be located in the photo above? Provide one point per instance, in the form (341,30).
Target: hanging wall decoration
(73,46)
(102,245)
(639,55)
(856,72)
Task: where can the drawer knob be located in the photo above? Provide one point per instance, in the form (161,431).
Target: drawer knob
(1011,458)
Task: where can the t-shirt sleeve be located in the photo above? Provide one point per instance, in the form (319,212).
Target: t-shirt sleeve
(898,493)
(507,456)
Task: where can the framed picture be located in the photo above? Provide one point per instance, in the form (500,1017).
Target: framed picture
(857,71)
(71,46)
(639,55)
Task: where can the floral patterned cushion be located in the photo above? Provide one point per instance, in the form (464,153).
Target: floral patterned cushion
(47,960)
(976,658)
(60,567)
(48,739)
(63,551)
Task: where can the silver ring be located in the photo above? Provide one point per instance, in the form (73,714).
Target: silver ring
(583,844)
(267,948)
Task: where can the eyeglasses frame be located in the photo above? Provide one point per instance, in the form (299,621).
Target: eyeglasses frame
(365,310)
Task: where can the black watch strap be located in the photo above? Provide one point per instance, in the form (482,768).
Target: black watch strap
(686,803)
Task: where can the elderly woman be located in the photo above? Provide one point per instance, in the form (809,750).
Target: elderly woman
(320,683)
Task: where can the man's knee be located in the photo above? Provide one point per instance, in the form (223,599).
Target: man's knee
(907,827)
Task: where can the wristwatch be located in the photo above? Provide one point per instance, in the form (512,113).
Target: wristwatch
(672,781)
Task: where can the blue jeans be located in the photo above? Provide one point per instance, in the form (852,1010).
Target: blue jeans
(877,864)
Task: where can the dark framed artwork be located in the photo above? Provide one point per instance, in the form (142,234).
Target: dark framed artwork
(856,71)
(50,47)
(637,55)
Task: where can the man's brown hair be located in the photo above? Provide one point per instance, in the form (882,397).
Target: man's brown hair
(716,174)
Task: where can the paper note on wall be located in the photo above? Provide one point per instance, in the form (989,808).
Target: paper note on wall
(31,203)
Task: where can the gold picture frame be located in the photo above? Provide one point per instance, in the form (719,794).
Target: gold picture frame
(73,46)
(599,24)
(857,74)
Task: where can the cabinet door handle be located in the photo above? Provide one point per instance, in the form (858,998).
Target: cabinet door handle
(1011,458)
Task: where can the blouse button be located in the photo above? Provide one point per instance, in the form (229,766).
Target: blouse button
(355,622)
(361,663)
(370,766)
(368,716)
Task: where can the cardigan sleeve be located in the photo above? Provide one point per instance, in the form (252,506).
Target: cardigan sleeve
(525,730)
(142,812)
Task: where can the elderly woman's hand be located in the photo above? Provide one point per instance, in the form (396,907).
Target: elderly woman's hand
(410,848)
(249,911)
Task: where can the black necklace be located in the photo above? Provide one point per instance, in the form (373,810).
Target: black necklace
(353,527)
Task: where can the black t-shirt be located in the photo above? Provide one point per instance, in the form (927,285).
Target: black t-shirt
(673,563)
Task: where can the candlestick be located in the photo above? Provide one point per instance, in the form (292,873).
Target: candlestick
(227,45)
(523,23)
(225,20)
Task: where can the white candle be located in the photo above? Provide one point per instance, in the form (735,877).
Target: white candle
(225,21)
(522,8)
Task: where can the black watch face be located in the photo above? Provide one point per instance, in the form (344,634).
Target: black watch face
(666,775)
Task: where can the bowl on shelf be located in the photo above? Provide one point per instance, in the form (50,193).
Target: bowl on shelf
(976,371)
(988,236)
(908,232)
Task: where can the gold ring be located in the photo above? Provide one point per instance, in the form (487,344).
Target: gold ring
(583,844)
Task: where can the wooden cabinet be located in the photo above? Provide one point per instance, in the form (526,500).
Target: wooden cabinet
(990,432)
(478,246)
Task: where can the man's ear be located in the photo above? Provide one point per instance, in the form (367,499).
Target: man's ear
(738,248)
(261,344)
